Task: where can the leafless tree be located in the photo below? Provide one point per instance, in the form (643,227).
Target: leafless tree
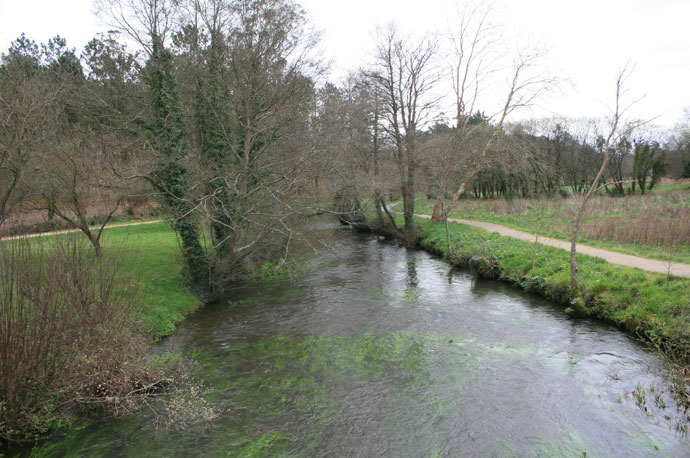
(617,130)
(77,178)
(404,72)
(475,64)
(141,20)
(27,115)
(348,137)
(262,66)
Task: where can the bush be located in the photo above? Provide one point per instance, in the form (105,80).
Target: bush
(69,334)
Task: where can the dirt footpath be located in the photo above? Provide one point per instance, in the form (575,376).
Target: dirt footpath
(69,231)
(652,265)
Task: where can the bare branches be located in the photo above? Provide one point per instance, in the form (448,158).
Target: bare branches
(145,21)
(475,63)
(616,130)
(404,76)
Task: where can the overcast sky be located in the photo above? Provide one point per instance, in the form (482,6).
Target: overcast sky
(588,42)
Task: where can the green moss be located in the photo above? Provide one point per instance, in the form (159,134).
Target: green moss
(410,296)
(268,445)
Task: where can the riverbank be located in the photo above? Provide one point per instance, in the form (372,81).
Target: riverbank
(614,257)
(653,226)
(152,254)
(60,305)
(653,306)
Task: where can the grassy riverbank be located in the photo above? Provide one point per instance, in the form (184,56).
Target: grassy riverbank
(152,254)
(656,306)
(655,225)
(75,329)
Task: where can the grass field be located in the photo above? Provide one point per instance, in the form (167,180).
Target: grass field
(654,225)
(151,254)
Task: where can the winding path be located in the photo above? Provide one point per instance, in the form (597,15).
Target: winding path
(614,257)
(69,231)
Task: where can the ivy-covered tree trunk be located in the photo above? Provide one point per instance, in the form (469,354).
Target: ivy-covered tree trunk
(169,177)
(215,150)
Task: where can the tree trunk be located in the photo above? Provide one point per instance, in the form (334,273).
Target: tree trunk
(379,211)
(574,291)
(573,248)
(436,214)
(93,238)
(390,217)
(409,198)
(97,247)
(449,248)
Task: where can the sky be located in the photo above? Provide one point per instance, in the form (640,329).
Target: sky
(588,42)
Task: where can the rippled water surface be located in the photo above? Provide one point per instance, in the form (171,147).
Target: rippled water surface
(375,350)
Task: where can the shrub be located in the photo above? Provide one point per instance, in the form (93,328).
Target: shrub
(69,334)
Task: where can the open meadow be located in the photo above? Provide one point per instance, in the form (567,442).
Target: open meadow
(655,225)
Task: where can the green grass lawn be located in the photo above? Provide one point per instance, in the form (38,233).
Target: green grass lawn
(654,226)
(151,254)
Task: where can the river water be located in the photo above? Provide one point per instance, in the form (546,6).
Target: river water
(375,350)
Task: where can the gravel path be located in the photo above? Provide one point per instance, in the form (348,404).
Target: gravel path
(614,257)
(69,231)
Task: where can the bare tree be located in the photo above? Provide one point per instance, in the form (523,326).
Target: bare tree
(348,137)
(475,63)
(617,130)
(258,92)
(78,178)
(27,116)
(404,74)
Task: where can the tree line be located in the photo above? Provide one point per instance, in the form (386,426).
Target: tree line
(218,108)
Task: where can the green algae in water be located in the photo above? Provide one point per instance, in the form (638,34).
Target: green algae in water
(275,391)
(273,444)
(360,359)
(410,296)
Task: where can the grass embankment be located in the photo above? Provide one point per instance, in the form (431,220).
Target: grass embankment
(654,226)
(654,306)
(151,253)
(75,329)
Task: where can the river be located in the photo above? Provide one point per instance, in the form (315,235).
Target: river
(375,350)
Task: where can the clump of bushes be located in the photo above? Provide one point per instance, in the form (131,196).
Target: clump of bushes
(70,335)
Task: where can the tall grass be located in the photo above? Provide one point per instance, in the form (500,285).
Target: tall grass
(69,330)
(654,225)
(653,221)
